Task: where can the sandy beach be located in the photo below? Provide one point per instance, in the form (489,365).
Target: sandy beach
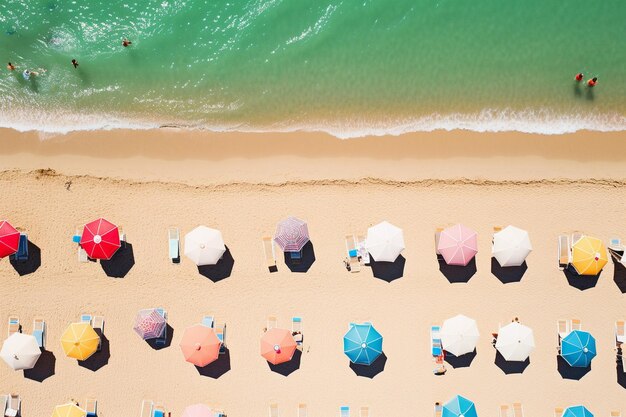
(243,184)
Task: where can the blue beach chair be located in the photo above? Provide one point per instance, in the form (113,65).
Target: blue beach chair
(344,411)
(435,341)
(22,249)
(163,339)
(208,321)
(39,331)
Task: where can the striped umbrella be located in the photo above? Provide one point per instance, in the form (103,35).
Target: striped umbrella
(149,324)
(100,239)
(197,410)
(278,346)
(68,410)
(291,234)
(200,345)
(459,407)
(80,341)
(589,256)
(362,344)
(458,245)
(578,348)
(20,351)
(9,239)
(577,411)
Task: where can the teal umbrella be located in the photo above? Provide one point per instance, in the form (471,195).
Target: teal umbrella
(362,344)
(459,407)
(578,348)
(577,411)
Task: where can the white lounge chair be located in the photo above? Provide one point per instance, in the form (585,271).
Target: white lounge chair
(173,236)
(354,263)
(364,412)
(558,412)
(82,255)
(504,410)
(270,253)
(91,407)
(563,252)
(438,410)
(3,403)
(576,325)
(14,325)
(437,236)
(518,410)
(576,236)
(274,410)
(39,331)
(620,331)
(296,327)
(13,407)
(146,408)
(302,410)
(98,326)
(161,341)
(220,332)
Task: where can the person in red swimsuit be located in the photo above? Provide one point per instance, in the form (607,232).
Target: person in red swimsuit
(592,82)
(579,77)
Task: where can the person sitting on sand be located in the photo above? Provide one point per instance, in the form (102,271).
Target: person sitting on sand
(297,336)
(515,320)
(592,82)
(75,63)
(579,77)
(11,67)
(126,42)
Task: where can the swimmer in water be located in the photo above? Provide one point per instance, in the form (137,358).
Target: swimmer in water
(579,77)
(126,42)
(75,63)
(27,74)
(11,67)
(592,82)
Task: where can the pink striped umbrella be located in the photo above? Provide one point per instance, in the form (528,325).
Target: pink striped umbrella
(9,239)
(291,234)
(149,324)
(100,239)
(197,410)
(458,245)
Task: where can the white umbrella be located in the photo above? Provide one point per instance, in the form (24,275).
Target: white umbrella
(204,246)
(20,351)
(515,342)
(385,242)
(459,335)
(511,246)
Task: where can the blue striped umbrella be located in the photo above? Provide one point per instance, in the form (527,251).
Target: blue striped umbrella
(578,348)
(577,411)
(459,407)
(362,344)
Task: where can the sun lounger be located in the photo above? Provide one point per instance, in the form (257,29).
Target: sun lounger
(620,331)
(22,249)
(563,328)
(174,244)
(558,412)
(302,411)
(576,236)
(82,255)
(3,403)
(221,335)
(270,253)
(122,237)
(361,244)
(158,411)
(438,410)
(296,327)
(76,237)
(274,410)
(497,229)
(98,326)
(616,414)
(437,236)
(271,322)
(14,325)
(13,406)
(435,341)
(615,243)
(518,410)
(91,407)
(354,263)
(160,341)
(146,408)
(564,251)
(208,321)
(86,318)
(39,331)
(344,411)
(364,412)
(504,410)
(576,325)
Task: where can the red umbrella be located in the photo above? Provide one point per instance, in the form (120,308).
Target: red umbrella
(9,239)
(100,239)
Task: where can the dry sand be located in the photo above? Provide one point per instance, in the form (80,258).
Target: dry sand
(243,185)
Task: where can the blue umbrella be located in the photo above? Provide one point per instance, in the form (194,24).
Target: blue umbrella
(459,407)
(578,348)
(577,411)
(362,344)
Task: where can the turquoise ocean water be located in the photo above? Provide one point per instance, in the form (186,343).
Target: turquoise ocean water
(347,67)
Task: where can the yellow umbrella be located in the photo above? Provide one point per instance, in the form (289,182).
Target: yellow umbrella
(589,256)
(79,341)
(68,410)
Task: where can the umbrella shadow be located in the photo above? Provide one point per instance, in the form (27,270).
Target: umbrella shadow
(462,361)
(221,270)
(168,340)
(621,375)
(508,274)
(31,264)
(511,367)
(305,262)
(44,368)
(619,270)
(120,263)
(581,282)
(289,367)
(457,273)
(100,358)
(570,372)
(388,271)
(370,371)
(218,367)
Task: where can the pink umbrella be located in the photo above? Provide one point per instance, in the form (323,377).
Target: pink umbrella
(149,324)
(197,410)
(458,245)
(291,234)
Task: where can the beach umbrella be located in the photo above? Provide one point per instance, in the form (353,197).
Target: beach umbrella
(458,245)
(511,246)
(100,239)
(68,410)
(200,345)
(197,410)
(80,341)
(149,324)
(9,239)
(362,344)
(578,348)
(277,346)
(292,234)
(385,242)
(515,342)
(204,246)
(577,411)
(459,335)
(20,351)
(459,407)
(589,256)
